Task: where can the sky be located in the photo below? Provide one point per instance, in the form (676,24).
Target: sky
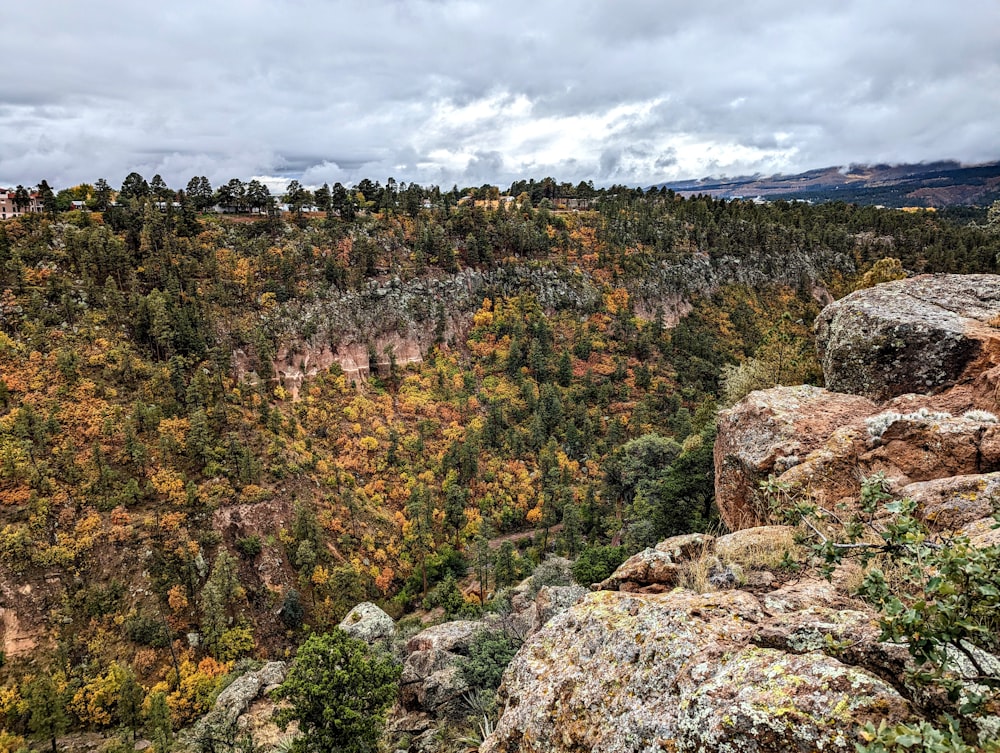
(469,92)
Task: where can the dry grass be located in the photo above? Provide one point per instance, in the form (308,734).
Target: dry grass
(762,548)
(697,570)
(851,574)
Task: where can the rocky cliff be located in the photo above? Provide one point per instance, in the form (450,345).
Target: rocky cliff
(722,644)
(705,666)
(912,369)
(397,320)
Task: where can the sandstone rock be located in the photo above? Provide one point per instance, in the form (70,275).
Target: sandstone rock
(805,594)
(453,637)
(925,445)
(919,335)
(14,640)
(921,445)
(369,623)
(430,682)
(685,547)
(619,673)
(982,533)
(769,432)
(441,692)
(830,473)
(758,579)
(647,568)
(808,629)
(765,700)
(949,504)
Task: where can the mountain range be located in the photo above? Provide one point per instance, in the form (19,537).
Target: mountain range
(934,184)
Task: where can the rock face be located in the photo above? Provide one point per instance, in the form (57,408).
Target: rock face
(768,432)
(919,335)
(223,721)
(930,337)
(755,661)
(430,680)
(369,623)
(553,600)
(622,672)
(957,503)
(431,685)
(655,569)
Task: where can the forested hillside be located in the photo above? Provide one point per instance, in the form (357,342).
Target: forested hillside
(219,432)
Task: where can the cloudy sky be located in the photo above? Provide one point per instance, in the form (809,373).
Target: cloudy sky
(468,91)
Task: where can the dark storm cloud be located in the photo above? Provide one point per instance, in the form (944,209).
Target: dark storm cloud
(469,91)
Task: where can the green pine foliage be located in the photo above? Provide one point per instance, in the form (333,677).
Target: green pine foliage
(338,690)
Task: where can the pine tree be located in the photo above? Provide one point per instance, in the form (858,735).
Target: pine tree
(158,725)
(47,709)
(339,691)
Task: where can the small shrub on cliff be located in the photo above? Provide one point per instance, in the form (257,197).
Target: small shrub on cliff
(553,571)
(596,563)
(489,654)
(947,613)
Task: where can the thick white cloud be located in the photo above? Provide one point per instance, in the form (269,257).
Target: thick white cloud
(466,91)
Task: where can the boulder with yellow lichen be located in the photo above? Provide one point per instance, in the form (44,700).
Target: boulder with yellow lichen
(682,671)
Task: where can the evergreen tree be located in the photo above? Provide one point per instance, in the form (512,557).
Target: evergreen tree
(338,690)
(130,697)
(158,725)
(47,710)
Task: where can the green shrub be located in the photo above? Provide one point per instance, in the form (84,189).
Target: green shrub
(249,546)
(489,654)
(338,689)
(596,563)
(945,609)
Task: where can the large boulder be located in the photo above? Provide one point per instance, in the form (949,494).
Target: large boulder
(553,600)
(649,571)
(656,569)
(452,637)
(621,672)
(369,623)
(816,443)
(769,432)
(951,504)
(920,335)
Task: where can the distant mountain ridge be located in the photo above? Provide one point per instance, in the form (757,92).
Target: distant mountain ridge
(929,184)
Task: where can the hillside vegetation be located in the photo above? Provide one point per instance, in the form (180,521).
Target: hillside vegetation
(182,488)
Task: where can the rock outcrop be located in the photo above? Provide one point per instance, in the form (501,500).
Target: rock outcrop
(919,335)
(655,569)
(621,672)
(719,647)
(226,719)
(932,334)
(769,432)
(368,623)
(432,688)
(430,680)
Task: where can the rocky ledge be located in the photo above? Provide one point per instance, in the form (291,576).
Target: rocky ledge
(921,359)
(622,672)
